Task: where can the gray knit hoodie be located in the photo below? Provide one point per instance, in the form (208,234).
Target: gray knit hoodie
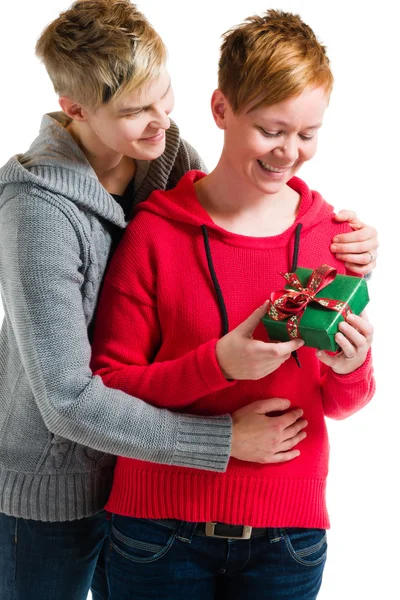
(59,425)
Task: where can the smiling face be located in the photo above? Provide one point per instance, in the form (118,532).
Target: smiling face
(135,124)
(266,147)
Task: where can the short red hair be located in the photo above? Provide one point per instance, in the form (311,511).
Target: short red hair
(271,58)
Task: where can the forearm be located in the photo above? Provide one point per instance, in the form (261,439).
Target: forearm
(40,267)
(111,421)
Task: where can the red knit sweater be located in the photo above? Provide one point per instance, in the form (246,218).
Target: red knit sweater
(158,322)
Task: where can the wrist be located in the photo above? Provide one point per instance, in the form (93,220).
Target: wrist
(219,353)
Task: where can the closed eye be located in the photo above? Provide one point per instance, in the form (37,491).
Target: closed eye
(132,115)
(269,134)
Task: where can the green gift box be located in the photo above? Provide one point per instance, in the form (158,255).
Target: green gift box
(318,324)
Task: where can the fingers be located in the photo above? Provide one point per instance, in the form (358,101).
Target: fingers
(266,357)
(359,267)
(357,249)
(263,407)
(350,216)
(325,358)
(289,436)
(257,437)
(354,338)
(348,350)
(289,347)
(241,357)
(355,253)
(294,429)
(290,443)
(288,420)
(278,350)
(357,330)
(281,457)
(358,241)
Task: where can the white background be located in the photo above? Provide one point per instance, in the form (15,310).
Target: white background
(356,167)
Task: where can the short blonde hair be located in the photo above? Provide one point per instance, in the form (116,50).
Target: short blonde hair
(271,58)
(98,50)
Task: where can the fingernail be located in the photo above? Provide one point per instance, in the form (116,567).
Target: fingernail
(333,247)
(350,317)
(318,353)
(335,239)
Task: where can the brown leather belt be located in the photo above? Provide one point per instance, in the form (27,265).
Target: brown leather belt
(231,532)
(219,530)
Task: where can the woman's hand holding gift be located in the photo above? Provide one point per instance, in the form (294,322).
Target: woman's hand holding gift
(354,338)
(242,357)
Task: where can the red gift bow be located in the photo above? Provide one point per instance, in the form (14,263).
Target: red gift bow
(291,304)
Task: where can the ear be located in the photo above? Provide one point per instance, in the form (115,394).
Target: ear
(72,109)
(219,107)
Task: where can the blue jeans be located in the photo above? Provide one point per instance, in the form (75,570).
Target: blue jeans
(53,561)
(149,559)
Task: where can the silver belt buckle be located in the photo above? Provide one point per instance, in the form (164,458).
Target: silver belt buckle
(246,533)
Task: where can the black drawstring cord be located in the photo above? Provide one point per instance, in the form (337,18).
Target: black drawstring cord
(296,247)
(221,303)
(292,270)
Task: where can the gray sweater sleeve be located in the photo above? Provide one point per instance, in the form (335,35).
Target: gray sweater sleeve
(44,290)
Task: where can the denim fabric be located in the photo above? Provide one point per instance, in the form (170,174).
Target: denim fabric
(53,561)
(149,560)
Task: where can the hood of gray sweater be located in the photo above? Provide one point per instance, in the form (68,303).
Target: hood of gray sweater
(55,163)
(53,152)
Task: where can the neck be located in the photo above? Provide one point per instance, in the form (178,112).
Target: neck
(239,207)
(102,159)
(113,170)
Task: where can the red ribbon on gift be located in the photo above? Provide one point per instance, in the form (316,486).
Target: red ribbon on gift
(291,303)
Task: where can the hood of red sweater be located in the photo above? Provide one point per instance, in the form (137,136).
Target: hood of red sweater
(180,204)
